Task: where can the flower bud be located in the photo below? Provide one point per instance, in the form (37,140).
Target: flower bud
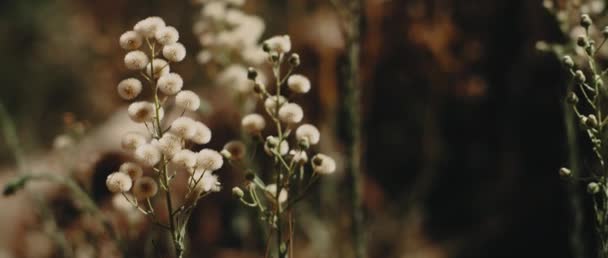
(565,172)
(572,98)
(252,73)
(568,62)
(593,188)
(579,76)
(582,41)
(591,121)
(586,21)
(238,192)
(294,60)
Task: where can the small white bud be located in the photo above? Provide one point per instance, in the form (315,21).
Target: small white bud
(183,127)
(253,123)
(129,89)
(119,182)
(136,60)
(130,40)
(170,84)
(161,67)
(187,100)
(291,113)
(175,52)
(308,133)
(323,164)
(148,154)
(130,141)
(298,83)
(167,35)
(209,160)
(238,192)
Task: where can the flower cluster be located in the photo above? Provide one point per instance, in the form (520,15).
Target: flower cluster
(591,112)
(153,47)
(229,38)
(289,144)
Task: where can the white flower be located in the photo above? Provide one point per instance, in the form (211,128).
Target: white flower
(119,182)
(272,190)
(291,113)
(145,187)
(148,154)
(279,44)
(209,160)
(148,27)
(129,89)
(167,35)
(207,181)
(133,170)
(161,67)
(169,144)
(136,60)
(271,103)
(298,83)
(271,145)
(185,158)
(202,135)
(214,10)
(170,84)
(323,164)
(141,111)
(253,123)
(130,40)
(175,52)
(235,76)
(299,156)
(183,127)
(308,133)
(187,100)
(130,141)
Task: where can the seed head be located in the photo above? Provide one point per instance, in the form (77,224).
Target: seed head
(291,113)
(129,89)
(170,84)
(118,182)
(148,154)
(175,52)
(253,123)
(323,164)
(133,170)
(145,187)
(167,35)
(209,160)
(308,133)
(298,83)
(187,100)
(130,40)
(136,60)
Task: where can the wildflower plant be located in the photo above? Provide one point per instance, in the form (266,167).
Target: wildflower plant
(587,98)
(287,147)
(153,47)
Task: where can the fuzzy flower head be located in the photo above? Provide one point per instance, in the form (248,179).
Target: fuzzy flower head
(185,158)
(149,26)
(170,84)
(148,154)
(202,134)
(130,40)
(130,141)
(298,83)
(161,67)
(272,190)
(133,170)
(272,145)
(209,160)
(187,100)
(136,60)
(145,187)
(309,134)
(119,182)
(271,103)
(183,127)
(253,123)
(169,144)
(278,44)
(207,181)
(167,35)
(323,164)
(129,89)
(141,111)
(175,52)
(291,113)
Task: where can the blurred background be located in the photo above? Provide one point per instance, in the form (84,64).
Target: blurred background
(463,127)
